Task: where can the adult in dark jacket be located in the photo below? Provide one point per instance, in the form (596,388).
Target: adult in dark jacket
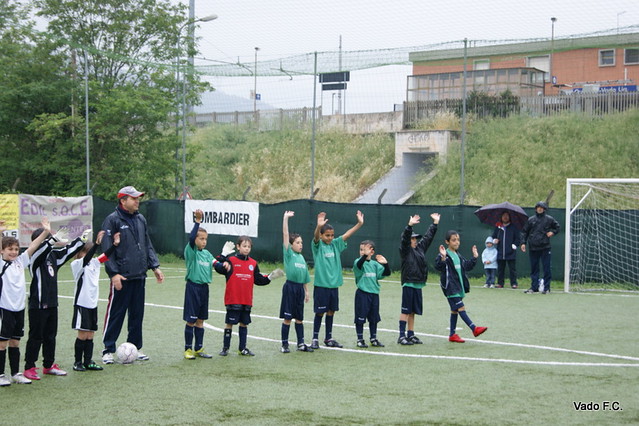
(127,268)
(414,270)
(506,240)
(537,233)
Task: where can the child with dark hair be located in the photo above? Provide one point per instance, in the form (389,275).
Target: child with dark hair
(367,272)
(199,270)
(86,274)
(242,272)
(13,291)
(295,289)
(454,283)
(328,275)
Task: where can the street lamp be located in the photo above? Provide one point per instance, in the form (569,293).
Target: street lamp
(552,46)
(255,86)
(183,94)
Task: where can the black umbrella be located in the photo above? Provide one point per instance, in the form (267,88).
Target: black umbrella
(491,214)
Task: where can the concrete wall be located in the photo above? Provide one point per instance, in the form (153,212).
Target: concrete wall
(423,141)
(388,122)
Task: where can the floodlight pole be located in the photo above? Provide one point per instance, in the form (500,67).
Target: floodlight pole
(552,46)
(463,123)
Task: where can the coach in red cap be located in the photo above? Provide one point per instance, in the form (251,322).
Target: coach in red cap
(127,268)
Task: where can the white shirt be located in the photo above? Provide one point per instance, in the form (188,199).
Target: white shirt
(14,285)
(87,280)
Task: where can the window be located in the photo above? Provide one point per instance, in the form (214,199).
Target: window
(481,64)
(607,58)
(541,63)
(631,56)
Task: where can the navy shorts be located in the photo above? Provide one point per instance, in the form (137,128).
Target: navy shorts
(238,314)
(196,302)
(325,299)
(85,319)
(292,301)
(366,307)
(412,300)
(11,324)
(455,303)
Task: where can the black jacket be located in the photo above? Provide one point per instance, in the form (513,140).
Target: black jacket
(135,254)
(448,277)
(414,268)
(507,235)
(534,231)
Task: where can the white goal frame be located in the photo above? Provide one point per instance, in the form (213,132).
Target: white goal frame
(569,211)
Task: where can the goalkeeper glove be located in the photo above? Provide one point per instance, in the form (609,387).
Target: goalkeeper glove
(275,274)
(229,247)
(85,235)
(62,236)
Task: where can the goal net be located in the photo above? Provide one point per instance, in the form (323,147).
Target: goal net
(602,234)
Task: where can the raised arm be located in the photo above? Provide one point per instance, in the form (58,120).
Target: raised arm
(40,239)
(321,221)
(285,237)
(360,222)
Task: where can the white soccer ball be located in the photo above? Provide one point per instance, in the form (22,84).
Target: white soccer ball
(127,353)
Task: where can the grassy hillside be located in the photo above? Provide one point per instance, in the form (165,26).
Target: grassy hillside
(518,159)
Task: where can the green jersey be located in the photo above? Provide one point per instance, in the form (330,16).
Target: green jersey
(367,278)
(458,268)
(295,266)
(328,263)
(199,264)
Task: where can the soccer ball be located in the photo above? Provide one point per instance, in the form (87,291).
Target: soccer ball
(127,353)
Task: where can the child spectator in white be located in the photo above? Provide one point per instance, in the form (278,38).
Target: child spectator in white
(86,274)
(328,275)
(13,291)
(367,272)
(295,289)
(454,283)
(489,259)
(242,272)
(199,271)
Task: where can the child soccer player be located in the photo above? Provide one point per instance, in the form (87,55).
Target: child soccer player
(412,251)
(199,271)
(328,275)
(295,289)
(242,272)
(13,291)
(43,301)
(367,273)
(454,283)
(86,274)
(489,259)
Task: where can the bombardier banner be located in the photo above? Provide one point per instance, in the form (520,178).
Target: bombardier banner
(224,217)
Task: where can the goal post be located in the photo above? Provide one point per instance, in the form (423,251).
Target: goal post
(602,234)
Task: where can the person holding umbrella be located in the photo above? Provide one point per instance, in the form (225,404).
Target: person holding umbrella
(506,240)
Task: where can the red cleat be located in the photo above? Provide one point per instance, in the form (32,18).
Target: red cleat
(455,338)
(479,330)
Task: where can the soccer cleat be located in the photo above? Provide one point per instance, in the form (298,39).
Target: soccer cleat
(142,357)
(303,347)
(107,358)
(404,341)
(545,292)
(415,340)
(200,352)
(4,380)
(332,343)
(19,379)
(456,339)
(78,366)
(487,285)
(91,365)
(531,291)
(284,349)
(479,330)
(246,352)
(31,374)
(189,354)
(514,286)
(54,370)
(376,343)
(361,344)
(499,286)
(315,344)
(224,352)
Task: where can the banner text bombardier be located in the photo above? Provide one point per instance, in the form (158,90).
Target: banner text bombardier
(225,218)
